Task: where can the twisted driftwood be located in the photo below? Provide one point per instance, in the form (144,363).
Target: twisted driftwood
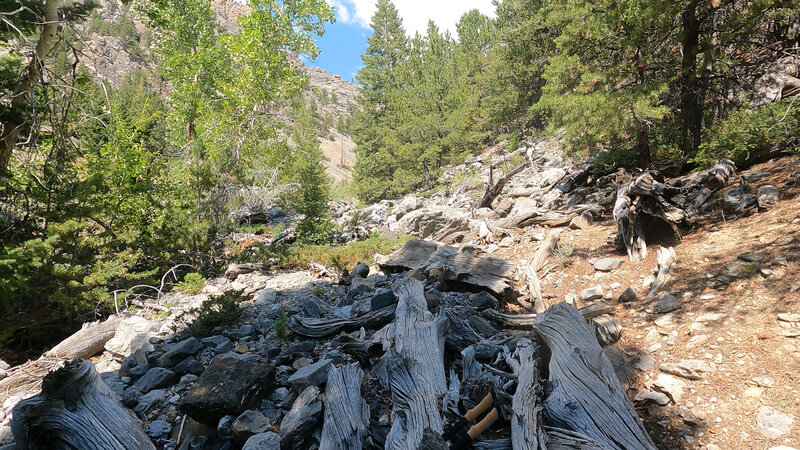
(587,396)
(76,410)
(346,411)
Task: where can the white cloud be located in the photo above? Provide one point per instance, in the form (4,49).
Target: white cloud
(415,13)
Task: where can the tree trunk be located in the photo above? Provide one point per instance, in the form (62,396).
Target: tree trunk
(33,74)
(76,410)
(692,90)
(643,147)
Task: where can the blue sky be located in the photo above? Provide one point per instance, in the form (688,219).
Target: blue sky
(344,41)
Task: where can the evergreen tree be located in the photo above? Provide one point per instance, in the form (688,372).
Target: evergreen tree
(375,146)
(312,199)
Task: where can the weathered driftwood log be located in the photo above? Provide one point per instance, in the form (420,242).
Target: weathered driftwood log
(415,367)
(666,258)
(536,263)
(526,407)
(415,404)
(679,205)
(493,190)
(607,330)
(527,212)
(588,312)
(86,342)
(318,328)
(26,379)
(346,411)
(587,396)
(560,439)
(76,410)
(466,266)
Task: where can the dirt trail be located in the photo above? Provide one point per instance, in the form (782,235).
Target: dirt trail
(734,326)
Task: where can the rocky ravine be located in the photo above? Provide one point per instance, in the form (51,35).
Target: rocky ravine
(708,362)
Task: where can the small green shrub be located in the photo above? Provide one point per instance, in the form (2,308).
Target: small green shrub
(192,284)
(318,291)
(281,327)
(747,132)
(216,311)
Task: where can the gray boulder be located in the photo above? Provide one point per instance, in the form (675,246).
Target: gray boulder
(302,419)
(179,351)
(157,377)
(767,196)
(593,293)
(248,424)
(263,441)
(607,264)
(232,384)
(311,375)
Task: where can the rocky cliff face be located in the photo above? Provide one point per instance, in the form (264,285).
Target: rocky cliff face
(115,43)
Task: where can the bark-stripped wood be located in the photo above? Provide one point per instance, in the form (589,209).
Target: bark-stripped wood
(26,379)
(415,404)
(607,330)
(536,263)
(319,328)
(527,212)
(678,205)
(346,411)
(588,312)
(76,410)
(415,367)
(465,266)
(666,258)
(86,342)
(587,396)
(493,190)
(526,408)
(560,439)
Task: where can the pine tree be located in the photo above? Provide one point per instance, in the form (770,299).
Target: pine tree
(313,196)
(375,146)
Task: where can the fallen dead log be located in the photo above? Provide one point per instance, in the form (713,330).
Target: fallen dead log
(86,342)
(76,410)
(527,212)
(415,366)
(526,408)
(346,411)
(319,328)
(535,264)
(666,258)
(493,190)
(587,396)
(467,267)
(26,379)
(645,198)
(589,311)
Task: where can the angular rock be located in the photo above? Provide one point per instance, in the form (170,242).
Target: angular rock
(629,294)
(189,365)
(691,369)
(381,299)
(483,300)
(158,429)
(647,396)
(231,384)
(579,223)
(267,297)
(147,401)
(248,424)
(669,385)
(607,264)
(667,303)
(220,344)
(263,441)
(132,333)
(593,293)
(360,270)
(311,375)
(774,424)
(241,332)
(302,419)
(767,196)
(157,377)
(179,351)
